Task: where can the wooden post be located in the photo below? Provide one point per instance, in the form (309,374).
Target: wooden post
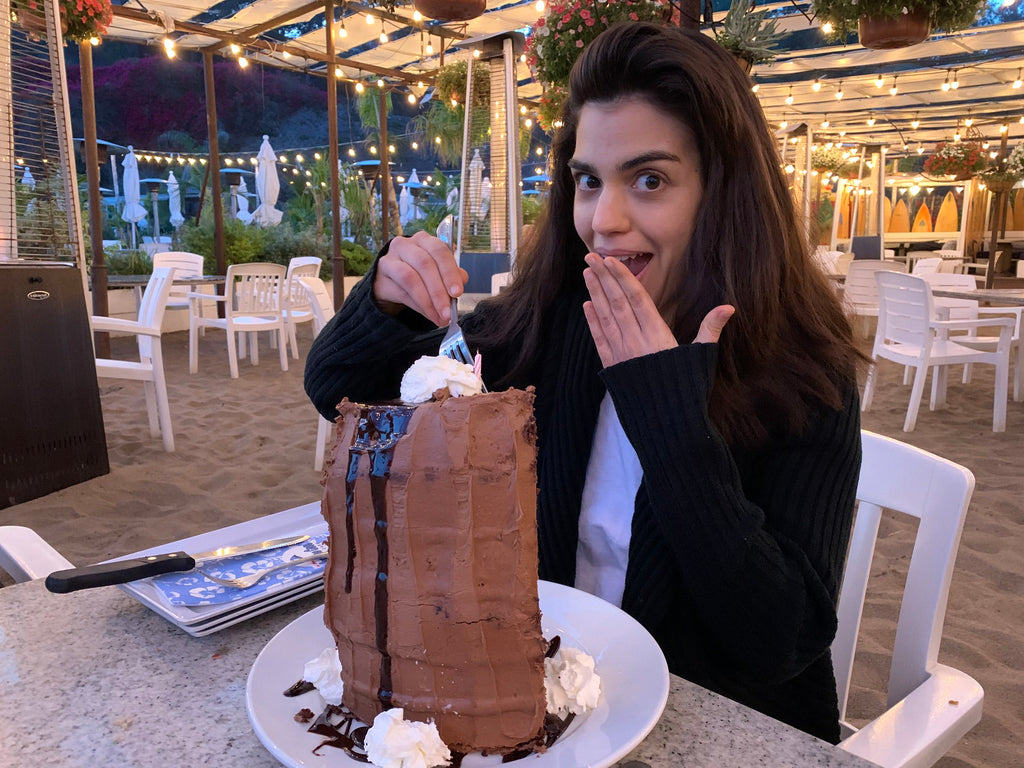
(998,214)
(218,204)
(100,306)
(337,260)
(385,166)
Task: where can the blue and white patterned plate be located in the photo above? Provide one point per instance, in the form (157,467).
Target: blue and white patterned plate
(194,589)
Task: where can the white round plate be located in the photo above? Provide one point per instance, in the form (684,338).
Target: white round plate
(634,687)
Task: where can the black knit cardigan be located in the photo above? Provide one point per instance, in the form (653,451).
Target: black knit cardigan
(736,555)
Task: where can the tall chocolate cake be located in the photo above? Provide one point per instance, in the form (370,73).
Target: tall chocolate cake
(431,585)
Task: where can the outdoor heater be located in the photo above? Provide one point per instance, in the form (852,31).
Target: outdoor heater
(490,208)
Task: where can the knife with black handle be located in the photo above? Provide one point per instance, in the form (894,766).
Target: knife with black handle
(123,571)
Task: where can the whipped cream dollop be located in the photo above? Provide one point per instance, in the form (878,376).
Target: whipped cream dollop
(429,374)
(394,742)
(570,682)
(325,673)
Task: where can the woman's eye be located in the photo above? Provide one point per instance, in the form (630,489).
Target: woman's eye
(587,181)
(650,181)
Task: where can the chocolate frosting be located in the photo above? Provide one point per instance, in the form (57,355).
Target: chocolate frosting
(431,584)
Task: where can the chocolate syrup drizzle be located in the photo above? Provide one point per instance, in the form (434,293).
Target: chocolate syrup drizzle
(377,434)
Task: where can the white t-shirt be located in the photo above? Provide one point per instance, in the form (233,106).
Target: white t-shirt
(606,513)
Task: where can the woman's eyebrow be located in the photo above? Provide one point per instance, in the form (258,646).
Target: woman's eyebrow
(633,162)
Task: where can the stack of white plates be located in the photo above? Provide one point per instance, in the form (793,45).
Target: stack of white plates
(206,619)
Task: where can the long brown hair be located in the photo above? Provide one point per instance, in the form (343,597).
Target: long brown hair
(789,344)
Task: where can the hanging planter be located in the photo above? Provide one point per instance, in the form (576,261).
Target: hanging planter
(999,185)
(883,33)
(451,10)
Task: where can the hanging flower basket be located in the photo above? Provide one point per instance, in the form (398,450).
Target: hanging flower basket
(79,19)
(451,10)
(1000,185)
(882,33)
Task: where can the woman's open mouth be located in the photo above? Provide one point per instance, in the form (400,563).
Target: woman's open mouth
(635,262)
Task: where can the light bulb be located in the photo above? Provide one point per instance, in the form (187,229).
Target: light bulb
(243,62)
(338,72)
(1017,83)
(369,18)
(94,41)
(816,85)
(839,92)
(789,98)
(351,152)
(755,88)
(1004,127)
(380,83)
(411,98)
(879,81)
(360,87)
(894,90)
(539,6)
(286,54)
(956,82)
(969,122)
(784,124)
(430,47)
(871,120)
(827,28)
(299,158)
(383,37)
(316,156)
(417,16)
(342,32)
(915,123)
(236,48)
(824,123)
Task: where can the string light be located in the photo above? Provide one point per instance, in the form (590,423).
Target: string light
(338,73)
(894,90)
(827,28)
(539,6)
(169,48)
(784,123)
(824,123)
(380,82)
(970,120)
(360,88)
(816,85)
(879,80)
(871,120)
(839,91)
(955,82)
(945,83)
(1005,127)
(243,62)
(369,18)
(417,16)
(94,41)
(430,47)
(1017,83)
(915,123)
(236,48)
(351,152)
(755,88)
(383,34)
(789,98)
(342,32)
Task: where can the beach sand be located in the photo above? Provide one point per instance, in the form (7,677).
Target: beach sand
(245,449)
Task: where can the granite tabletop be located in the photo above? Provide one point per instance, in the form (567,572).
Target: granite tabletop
(94,678)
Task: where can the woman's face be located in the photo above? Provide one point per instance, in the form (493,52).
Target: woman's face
(638,186)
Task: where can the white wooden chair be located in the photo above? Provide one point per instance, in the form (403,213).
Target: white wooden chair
(930,706)
(149,368)
(860,292)
(25,555)
(296,305)
(252,303)
(323,310)
(908,334)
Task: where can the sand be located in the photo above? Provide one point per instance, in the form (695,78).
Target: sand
(245,449)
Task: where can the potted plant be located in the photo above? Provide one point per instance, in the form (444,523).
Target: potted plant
(558,38)
(1002,177)
(883,24)
(827,160)
(748,35)
(961,159)
(80,20)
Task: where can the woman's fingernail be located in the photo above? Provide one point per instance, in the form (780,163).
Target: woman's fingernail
(454,289)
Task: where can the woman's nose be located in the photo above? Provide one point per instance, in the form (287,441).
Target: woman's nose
(610,212)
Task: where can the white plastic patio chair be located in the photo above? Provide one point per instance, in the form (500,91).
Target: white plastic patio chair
(296,306)
(185,265)
(908,334)
(927,265)
(322,306)
(969,309)
(25,555)
(860,292)
(930,706)
(252,303)
(149,369)
(499,280)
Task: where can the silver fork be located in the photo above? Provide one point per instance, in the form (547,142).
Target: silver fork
(453,344)
(244,582)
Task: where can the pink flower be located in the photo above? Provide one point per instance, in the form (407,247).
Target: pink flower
(584,14)
(579,43)
(590,22)
(633,16)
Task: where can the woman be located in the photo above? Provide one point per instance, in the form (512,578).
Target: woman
(706,487)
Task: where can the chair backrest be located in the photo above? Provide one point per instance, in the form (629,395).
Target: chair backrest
(320,301)
(152,306)
(301,266)
(826,260)
(927,266)
(910,481)
(866,247)
(255,288)
(185,265)
(957,309)
(860,288)
(905,308)
(499,280)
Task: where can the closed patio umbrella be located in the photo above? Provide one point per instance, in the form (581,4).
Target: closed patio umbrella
(268,186)
(133,212)
(174,200)
(242,201)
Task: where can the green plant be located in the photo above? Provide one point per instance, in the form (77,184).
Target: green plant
(827,160)
(242,244)
(127,261)
(357,258)
(532,207)
(960,158)
(1015,162)
(945,15)
(748,34)
(451,83)
(557,38)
